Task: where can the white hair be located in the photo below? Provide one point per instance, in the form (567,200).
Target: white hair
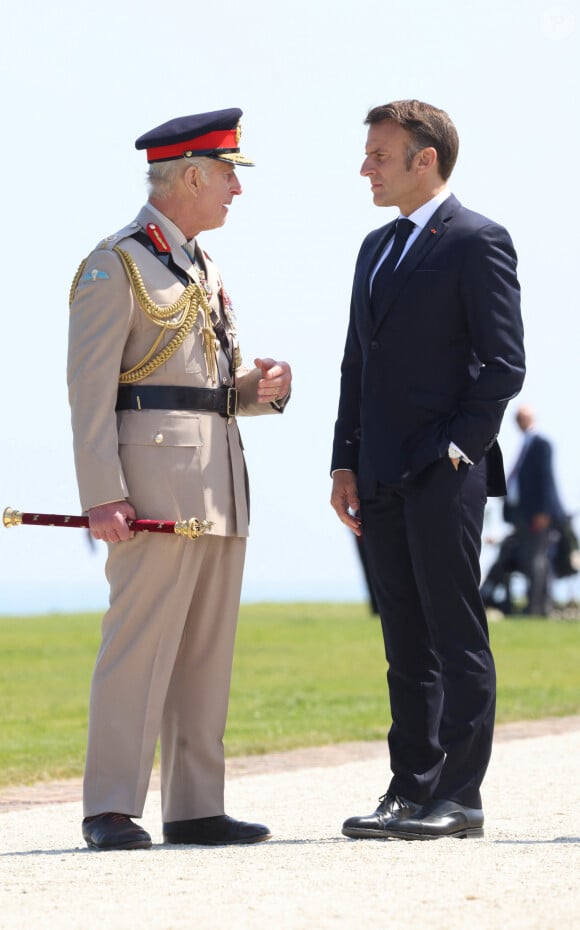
(162,175)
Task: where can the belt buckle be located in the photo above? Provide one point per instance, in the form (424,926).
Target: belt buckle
(231,402)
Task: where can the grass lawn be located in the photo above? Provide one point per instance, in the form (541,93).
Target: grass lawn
(304,675)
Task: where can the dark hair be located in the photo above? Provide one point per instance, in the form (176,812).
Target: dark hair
(426,125)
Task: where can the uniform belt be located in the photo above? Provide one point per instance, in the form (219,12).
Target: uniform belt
(223,400)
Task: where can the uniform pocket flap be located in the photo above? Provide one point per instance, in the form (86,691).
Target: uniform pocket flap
(159,428)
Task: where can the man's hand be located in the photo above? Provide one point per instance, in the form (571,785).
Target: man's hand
(344,499)
(540,521)
(108,521)
(275,381)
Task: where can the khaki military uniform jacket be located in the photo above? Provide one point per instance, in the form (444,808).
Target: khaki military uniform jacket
(170,464)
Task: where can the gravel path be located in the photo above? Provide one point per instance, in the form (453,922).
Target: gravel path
(525,873)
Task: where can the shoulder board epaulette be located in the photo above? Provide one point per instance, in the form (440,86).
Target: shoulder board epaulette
(109,242)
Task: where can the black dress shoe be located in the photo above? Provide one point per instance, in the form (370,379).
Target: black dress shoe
(439,818)
(114,831)
(214,831)
(392,807)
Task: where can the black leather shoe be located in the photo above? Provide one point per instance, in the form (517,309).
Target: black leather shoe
(392,807)
(214,831)
(114,831)
(439,818)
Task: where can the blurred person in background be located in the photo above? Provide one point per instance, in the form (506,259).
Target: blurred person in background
(534,508)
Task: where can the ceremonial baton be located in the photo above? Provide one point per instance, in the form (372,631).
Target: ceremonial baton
(189,528)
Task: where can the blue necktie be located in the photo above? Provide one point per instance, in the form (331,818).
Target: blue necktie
(403,230)
(381,281)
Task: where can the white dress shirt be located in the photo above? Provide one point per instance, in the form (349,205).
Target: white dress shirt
(420,217)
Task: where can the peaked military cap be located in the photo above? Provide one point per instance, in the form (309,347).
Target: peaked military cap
(214,135)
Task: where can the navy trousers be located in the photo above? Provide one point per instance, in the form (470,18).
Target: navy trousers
(423,542)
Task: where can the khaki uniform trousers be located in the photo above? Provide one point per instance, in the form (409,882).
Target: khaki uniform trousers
(164,669)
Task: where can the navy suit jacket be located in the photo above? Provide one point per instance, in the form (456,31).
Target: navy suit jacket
(440,359)
(537,490)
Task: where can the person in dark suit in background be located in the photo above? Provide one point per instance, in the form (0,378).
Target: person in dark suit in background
(534,508)
(434,352)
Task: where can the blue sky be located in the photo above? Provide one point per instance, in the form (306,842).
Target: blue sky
(81,81)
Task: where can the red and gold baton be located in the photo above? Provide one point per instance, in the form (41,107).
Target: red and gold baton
(189,528)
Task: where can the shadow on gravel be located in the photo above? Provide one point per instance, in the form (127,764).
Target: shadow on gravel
(557,839)
(44,852)
(173,848)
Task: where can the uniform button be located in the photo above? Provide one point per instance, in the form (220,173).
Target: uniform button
(158,438)
(374,345)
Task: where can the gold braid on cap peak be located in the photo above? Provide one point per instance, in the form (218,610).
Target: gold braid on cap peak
(184,309)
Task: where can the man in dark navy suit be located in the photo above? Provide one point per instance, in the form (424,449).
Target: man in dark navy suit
(434,352)
(534,508)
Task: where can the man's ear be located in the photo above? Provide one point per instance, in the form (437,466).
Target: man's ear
(425,159)
(192,179)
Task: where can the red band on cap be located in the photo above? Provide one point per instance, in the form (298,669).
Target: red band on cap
(221,139)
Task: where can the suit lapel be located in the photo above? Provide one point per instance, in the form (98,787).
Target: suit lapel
(429,237)
(368,263)
(387,234)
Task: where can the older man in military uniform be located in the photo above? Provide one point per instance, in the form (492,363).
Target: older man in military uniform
(155,384)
